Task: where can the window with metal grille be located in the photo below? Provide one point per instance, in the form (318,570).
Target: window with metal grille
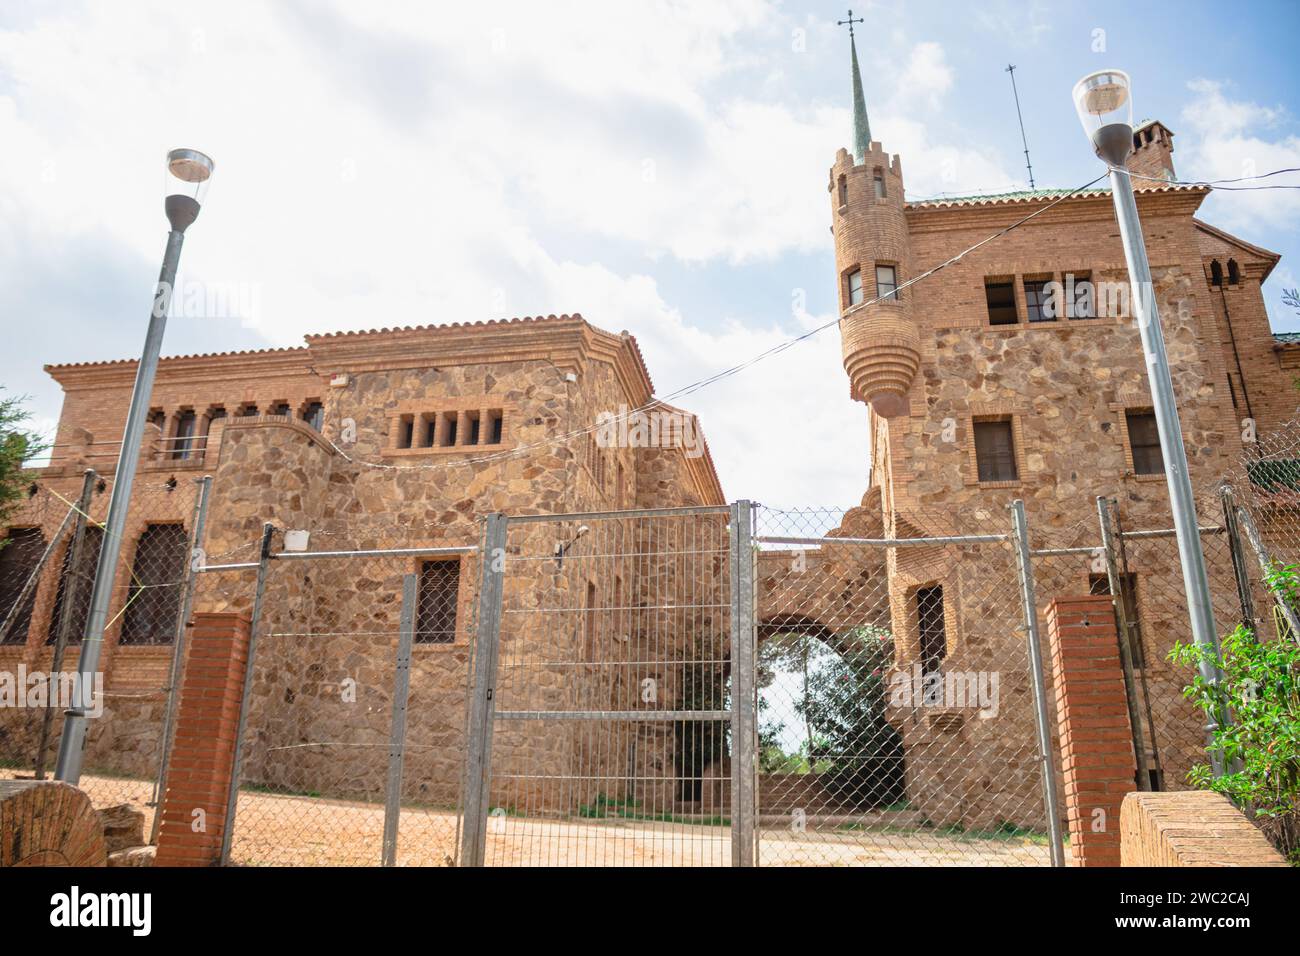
(154,596)
(1100,584)
(854,280)
(995,451)
(79,581)
(1001,300)
(185,423)
(18,559)
(1144,442)
(930,626)
(435,621)
(1036,296)
(886,282)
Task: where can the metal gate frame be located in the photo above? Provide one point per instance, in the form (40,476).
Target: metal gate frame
(742,716)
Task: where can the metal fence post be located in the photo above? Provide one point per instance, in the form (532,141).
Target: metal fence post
(1118,589)
(397,736)
(71,593)
(198,527)
(237,759)
(743,733)
(1020,534)
(1239,566)
(482,706)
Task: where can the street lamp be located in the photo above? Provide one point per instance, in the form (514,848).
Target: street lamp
(187,176)
(1104,103)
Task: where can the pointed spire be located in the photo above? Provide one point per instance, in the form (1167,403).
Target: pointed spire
(861,128)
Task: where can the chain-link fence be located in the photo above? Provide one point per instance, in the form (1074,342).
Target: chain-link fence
(47,571)
(353,739)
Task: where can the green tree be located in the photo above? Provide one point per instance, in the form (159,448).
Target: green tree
(1259,693)
(17,446)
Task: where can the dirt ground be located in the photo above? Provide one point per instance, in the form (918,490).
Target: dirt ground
(280,830)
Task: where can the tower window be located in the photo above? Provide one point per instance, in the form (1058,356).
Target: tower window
(930,626)
(1234,273)
(887,282)
(854,280)
(1216,273)
(878,183)
(844,190)
(995,451)
(1036,297)
(1001,300)
(1144,443)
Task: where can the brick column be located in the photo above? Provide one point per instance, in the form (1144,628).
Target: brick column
(203,752)
(1097,763)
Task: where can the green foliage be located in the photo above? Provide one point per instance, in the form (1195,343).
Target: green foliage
(1259,694)
(17,445)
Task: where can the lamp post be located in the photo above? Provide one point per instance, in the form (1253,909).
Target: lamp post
(187,176)
(1104,103)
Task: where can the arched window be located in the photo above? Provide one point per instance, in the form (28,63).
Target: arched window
(154,596)
(78,582)
(18,559)
(1234,273)
(1216,273)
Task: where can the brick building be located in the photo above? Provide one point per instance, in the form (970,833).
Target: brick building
(1017,372)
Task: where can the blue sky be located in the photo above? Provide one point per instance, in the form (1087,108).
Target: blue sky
(659,167)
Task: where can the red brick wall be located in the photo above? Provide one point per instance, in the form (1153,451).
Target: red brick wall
(202,755)
(1097,762)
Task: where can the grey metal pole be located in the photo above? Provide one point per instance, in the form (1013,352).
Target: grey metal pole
(743,733)
(72,743)
(482,703)
(1195,581)
(1125,648)
(237,757)
(397,733)
(199,525)
(1028,599)
(71,594)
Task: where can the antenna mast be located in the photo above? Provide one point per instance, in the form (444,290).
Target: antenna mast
(1012,70)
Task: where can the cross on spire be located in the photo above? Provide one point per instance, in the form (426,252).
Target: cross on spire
(850,21)
(861,127)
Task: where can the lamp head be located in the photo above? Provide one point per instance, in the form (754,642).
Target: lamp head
(1104,103)
(188,174)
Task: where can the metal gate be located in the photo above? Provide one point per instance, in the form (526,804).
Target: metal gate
(638,676)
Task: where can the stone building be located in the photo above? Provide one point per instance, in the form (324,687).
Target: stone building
(367,440)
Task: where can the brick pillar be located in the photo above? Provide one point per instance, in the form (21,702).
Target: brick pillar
(202,755)
(1097,763)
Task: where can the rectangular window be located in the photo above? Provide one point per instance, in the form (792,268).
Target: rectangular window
(878,184)
(474,429)
(435,620)
(1144,441)
(995,451)
(1083,304)
(854,280)
(589,623)
(184,435)
(450,425)
(153,600)
(314,415)
(930,627)
(844,191)
(1100,584)
(886,282)
(1035,300)
(1001,299)
(405,431)
(428,430)
(496,426)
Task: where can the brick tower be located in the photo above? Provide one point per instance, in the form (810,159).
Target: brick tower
(872,258)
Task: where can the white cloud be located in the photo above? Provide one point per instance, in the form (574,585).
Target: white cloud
(1228,139)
